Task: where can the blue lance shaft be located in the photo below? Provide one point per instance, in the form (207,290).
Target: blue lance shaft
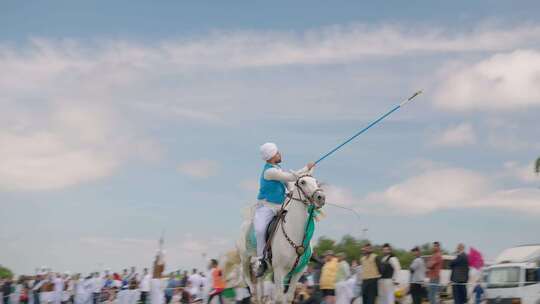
(369,126)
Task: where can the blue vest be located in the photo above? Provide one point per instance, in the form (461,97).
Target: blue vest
(270,190)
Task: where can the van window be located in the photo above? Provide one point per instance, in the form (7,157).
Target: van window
(503,277)
(531,276)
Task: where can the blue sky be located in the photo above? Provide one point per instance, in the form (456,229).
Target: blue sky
(123,120)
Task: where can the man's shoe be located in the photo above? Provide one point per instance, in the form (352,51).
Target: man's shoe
(262,268)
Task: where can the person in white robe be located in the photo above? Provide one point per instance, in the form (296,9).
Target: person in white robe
(390,269)
(97,286)
(195,282)
(144,285)
(344,293)
(58,288)
(157,295)
(68,288)
(47,290)
(81,293)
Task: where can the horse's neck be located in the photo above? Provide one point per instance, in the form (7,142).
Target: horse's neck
(296,218)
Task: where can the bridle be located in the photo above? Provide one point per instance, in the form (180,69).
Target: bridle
(308,199)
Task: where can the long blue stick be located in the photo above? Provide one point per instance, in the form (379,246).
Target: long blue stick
(369,126)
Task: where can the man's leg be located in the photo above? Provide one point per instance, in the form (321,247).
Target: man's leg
(364,291)
(143,297)
(462,293)
(455,294)
(263,216)
(211,295)
(433,291)
(417,295)
(389,289)
(412,290)
(372,290)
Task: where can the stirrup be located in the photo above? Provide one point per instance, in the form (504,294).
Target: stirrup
(261,270)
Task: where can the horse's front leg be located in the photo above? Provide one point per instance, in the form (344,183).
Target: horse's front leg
(279,276)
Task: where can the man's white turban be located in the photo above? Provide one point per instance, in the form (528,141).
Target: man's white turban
(268,150)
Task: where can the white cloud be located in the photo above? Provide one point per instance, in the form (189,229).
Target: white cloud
(504,140)
(502,82)
(432,190)
(442,189)
(525,200)
(338,44)
(62,145)
(202,168)
(75,112)
(459,135)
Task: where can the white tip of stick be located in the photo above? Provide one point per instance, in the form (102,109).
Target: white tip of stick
(411,98)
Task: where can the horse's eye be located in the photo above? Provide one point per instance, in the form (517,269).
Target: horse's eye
(302,182)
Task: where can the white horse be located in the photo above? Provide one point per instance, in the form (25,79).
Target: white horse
(286,245)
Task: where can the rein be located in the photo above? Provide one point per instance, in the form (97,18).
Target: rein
(308,201)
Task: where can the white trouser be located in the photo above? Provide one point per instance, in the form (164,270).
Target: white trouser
(344,293)
(386,291)
(157,295)
(263,215)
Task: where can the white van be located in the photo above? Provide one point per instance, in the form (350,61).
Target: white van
(514,278)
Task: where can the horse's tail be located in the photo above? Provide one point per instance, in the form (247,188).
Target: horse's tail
(242,246)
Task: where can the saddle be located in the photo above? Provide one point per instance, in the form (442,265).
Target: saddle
(270,230)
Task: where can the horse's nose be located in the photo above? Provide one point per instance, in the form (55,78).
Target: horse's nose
(321,198)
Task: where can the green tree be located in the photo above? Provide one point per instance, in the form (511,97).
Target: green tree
(324,244)
(5,272)
(537,166)
(352,247)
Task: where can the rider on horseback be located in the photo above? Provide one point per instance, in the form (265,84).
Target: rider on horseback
(272,193)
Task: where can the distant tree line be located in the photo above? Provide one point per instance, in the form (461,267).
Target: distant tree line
(352,248)
(5,272)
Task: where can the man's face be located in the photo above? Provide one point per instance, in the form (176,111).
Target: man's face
(436,247)
(387,250)
(416,253)
(368,249)
(276,159)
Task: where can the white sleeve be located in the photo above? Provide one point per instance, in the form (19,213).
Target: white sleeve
(283,176)
(397,268)
(414,265)
(347,270)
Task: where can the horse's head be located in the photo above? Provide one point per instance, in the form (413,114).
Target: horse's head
(309,187)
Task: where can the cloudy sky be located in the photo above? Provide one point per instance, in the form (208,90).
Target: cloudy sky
(120,121)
